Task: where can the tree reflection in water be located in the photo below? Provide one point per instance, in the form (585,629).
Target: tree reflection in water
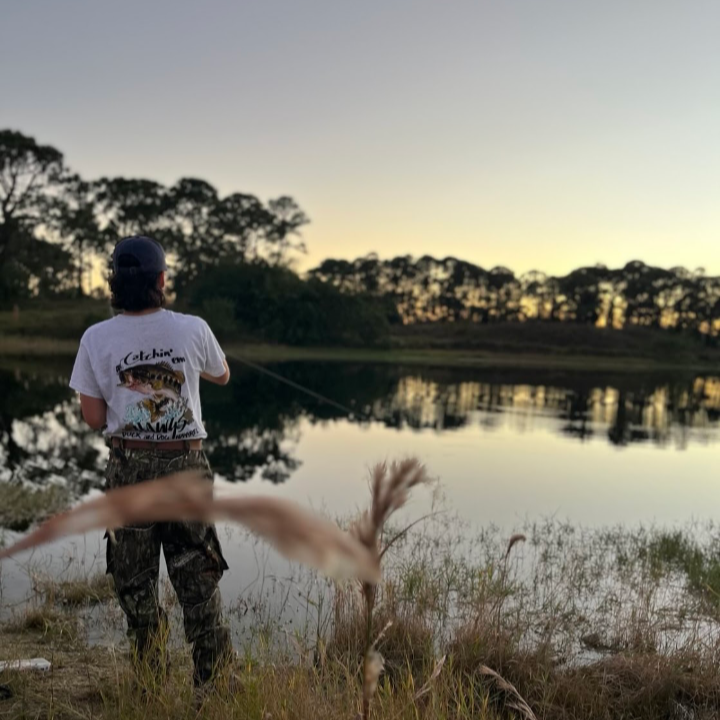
(254,424)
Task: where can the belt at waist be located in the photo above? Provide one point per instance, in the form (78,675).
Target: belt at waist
(150,445)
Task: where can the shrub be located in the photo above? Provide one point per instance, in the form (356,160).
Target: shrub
(276,305)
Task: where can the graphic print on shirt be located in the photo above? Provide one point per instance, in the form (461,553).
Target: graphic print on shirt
(162,410)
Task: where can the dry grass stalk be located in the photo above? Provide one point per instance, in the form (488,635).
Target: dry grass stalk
(389,490)
(433,676)
(517,702)
(300,535)
(373,667)
(382,633)
(175,497)
(295,532)
(516,538)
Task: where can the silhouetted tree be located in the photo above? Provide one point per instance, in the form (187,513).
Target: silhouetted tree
(130,206)
(78,227)
(31,178)
(199,228)
(274,304)
(429,290)
(207,231)
(53,224)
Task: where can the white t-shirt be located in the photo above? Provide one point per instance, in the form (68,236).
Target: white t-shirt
(147,369)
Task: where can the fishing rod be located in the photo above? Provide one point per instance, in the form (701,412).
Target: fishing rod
(301,388)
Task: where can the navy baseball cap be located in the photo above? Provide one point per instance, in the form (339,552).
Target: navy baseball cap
(143,252)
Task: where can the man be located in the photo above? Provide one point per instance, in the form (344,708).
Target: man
(138,377)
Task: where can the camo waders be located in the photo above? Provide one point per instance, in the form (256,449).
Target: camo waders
(195,565)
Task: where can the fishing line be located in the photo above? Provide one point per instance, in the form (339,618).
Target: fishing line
(301,388)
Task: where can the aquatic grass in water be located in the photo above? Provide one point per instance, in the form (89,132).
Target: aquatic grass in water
(676,551)
(22,506)
(50,624)
(568,623)
(78,591)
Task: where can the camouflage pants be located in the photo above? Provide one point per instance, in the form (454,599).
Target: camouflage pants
(194,561)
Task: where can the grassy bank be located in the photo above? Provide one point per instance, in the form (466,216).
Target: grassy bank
(28,348)
(55,330)
(579,624)
(473,358)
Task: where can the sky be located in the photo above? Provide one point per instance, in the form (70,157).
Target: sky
(524,133)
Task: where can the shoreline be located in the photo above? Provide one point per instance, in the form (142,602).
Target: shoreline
(596,656)
(17,347)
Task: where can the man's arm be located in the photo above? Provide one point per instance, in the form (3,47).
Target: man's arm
(94,411)
(220,379)
(83,380)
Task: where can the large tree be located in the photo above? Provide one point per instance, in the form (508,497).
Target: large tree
(207,230)
(198,227)
(32,179)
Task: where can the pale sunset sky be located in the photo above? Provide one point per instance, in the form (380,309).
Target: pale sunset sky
(535,134)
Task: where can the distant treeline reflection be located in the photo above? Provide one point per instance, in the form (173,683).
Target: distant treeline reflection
(254,424)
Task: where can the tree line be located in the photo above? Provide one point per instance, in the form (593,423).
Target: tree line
(53,222)
(231,258)
(429,289)
(230,255)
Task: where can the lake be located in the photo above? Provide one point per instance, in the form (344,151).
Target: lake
(508,447)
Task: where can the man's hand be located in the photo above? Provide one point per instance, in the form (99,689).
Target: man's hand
(221,379)
(94,411)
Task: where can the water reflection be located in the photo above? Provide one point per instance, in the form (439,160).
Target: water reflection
(42,436)
(630,410)
(254,423)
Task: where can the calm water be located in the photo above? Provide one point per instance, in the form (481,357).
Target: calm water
(507,447)
(591,448)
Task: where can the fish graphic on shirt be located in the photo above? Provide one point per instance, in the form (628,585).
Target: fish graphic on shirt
(160,381)
(162,388)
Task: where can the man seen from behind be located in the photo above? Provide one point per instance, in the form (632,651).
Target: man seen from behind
(138,377)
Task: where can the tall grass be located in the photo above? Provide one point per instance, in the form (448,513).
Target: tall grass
(553,622)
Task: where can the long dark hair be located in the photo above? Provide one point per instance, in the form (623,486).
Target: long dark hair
(133,290)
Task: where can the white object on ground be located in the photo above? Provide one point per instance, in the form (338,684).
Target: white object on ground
(31,664)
